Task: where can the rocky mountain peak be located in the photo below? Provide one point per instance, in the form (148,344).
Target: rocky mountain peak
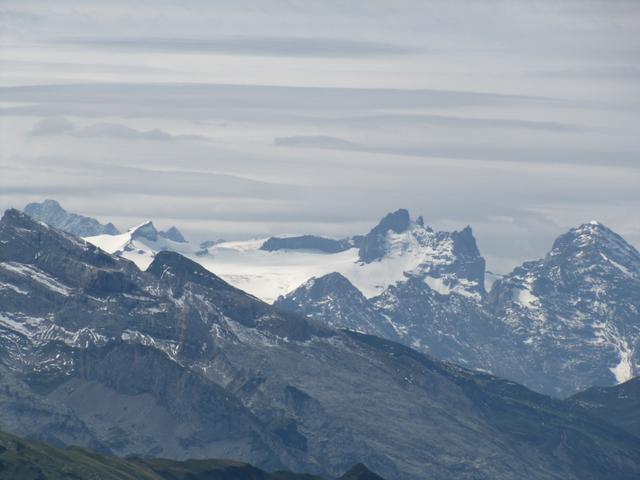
(464,243)
(595,243)
(372,246)
(397,221)
(331,290)
(57,263)
(333,299)
(331,280)
(13,216)
(52,213)
(173,234)
(578,306)
(47,207)
(145,230)
(28,239)
(177,270)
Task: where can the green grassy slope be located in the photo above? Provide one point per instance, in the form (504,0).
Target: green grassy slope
(29,460)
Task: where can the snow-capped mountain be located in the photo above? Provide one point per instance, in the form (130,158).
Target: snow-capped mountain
(576,312)
(557,325)
(434,305)
(175,362)
(271,267)
(335,300)
(449,262)
(141,243)
(51,213)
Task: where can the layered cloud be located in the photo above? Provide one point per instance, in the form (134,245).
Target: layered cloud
(52,126)
(257,117)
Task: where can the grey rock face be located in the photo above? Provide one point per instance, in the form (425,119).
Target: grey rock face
(469,263)
(452,327)
(51,213)
(173,362)
(306,242)
(575,313)
(147,231)
(373,245)
(333,298)
(173,234)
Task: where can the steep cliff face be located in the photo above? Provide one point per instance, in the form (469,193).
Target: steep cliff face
(374,245)
(576,312)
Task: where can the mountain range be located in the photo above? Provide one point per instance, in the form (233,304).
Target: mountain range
(558,325)
(175,362)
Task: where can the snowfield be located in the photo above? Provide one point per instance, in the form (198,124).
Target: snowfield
(270,274)
(267,275)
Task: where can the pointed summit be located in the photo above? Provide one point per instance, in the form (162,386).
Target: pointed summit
(52,213)
(54,259)
(464,242)
(577,309)
(49,208)
(26,240)
(397,221)
(373,245)
(173,234)
(594,242)
(178,270)
(145,230)
(333,299)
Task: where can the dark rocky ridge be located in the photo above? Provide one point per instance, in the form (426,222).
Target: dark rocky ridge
(306,242)
(619,405)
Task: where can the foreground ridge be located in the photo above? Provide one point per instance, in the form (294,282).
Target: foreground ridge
(29,460)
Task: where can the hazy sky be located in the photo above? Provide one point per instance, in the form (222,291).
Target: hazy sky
(253,117)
